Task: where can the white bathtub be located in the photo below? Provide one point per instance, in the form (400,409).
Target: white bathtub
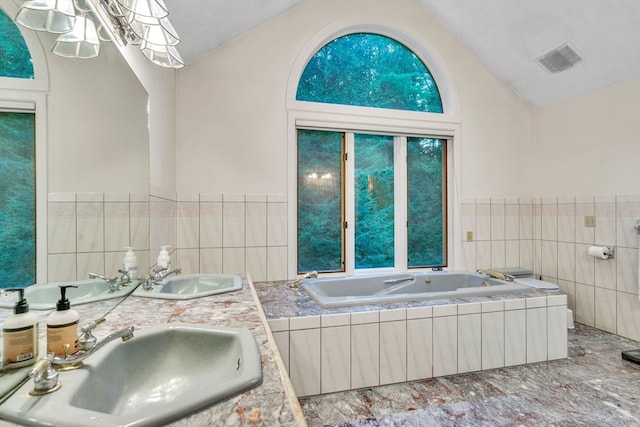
(402,287)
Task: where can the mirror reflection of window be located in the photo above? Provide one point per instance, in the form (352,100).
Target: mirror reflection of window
(15,59)
(17,168)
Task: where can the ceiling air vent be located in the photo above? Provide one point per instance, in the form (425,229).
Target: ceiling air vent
(559,59)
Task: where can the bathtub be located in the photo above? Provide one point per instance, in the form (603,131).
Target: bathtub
(402,287)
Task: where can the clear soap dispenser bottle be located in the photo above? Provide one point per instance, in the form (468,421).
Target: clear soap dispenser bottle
(62,327)
(20,335)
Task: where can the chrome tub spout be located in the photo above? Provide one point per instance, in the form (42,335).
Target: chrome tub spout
(310,275)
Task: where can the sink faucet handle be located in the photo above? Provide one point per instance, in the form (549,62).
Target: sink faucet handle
(87,340)
(45,378)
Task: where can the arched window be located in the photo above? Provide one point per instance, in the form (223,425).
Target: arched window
(369,196)
(17,167)
(369,70)
(15,56)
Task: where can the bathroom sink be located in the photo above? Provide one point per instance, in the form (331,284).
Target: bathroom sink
(193,286)
(164,373)
(44,297)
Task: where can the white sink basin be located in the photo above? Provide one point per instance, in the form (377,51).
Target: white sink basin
(44,297)
(189,286)
(164,373)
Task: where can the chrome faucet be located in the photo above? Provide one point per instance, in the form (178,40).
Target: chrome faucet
(115,282)
(159,274)
(89,345)
(310,275)
(496,275)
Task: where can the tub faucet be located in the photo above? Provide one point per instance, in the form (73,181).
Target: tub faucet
(496,275)
(310,275)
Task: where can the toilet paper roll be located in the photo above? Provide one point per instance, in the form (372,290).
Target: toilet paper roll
(601,252)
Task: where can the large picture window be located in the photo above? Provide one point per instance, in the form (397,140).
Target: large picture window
(369,200)
(384,196)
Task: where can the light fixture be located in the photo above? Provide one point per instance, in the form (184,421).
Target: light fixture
(81,42)
(139,22)
(53,16)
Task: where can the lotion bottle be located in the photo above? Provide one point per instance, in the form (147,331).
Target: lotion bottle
(20,332)
(130,263)
(62,327)
(164,260)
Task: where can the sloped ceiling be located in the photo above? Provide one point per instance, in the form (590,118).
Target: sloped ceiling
(507,35)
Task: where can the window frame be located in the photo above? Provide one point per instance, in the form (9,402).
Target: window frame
(368,121)
(313,115)
(29,95)
(401,203)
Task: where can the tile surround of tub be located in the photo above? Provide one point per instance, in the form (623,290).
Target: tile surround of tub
(333,352)
(553,241)
(86,232)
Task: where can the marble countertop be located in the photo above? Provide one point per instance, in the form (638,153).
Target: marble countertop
(272,403)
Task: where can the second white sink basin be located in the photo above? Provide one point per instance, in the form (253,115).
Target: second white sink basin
(44,297)
(189,286)
(163,373)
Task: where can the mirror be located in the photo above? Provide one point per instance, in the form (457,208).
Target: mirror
(96,138)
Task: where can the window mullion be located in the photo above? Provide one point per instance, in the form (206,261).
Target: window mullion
(400,202)
(349,203)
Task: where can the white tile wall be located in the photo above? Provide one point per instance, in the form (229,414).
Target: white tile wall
(492,335)
(230,233)
(88,231)
(365,349)
(553,241)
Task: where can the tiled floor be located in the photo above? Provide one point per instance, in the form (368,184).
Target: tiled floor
(593,387)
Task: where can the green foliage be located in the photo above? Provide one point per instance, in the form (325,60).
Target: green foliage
(425,191)
(320,211)
(17,198)
(369,70)
(374,201)
(15,59)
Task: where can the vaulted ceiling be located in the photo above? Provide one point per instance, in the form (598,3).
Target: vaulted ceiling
(507,35)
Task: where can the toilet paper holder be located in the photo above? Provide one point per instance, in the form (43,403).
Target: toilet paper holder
(602,252)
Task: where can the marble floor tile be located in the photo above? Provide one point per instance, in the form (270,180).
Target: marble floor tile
(592,387)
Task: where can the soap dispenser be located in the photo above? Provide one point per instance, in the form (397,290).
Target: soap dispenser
(130,263)
(20,332)
(62,326)
(164,260)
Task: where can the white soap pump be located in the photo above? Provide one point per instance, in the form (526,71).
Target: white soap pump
(164,260)
(130,263)
(20,345)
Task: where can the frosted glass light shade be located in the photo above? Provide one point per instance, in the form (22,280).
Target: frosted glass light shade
(81,42)
(161,33)
(54,16)
(165,56)
(145,8)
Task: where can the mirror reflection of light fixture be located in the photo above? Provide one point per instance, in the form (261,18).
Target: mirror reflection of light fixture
(138,22)
(53,16)
(81,42)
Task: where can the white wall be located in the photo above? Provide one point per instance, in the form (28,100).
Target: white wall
(97,136)
(159,83)
(232,117)
(588,145)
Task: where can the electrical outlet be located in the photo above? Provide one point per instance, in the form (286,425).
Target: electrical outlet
(590,221)
(469,236)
